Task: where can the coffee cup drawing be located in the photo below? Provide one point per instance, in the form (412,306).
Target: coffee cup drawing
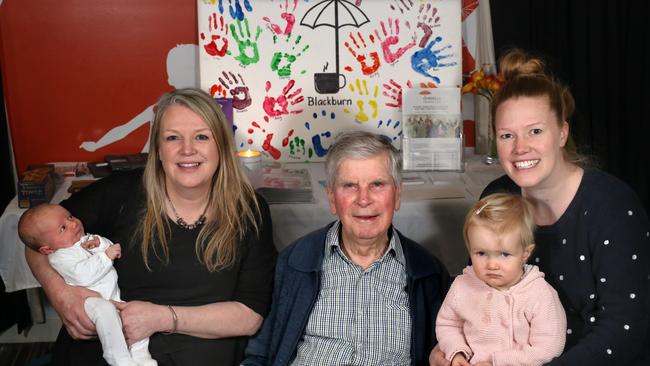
(328,82)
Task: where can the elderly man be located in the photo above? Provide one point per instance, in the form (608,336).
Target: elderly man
(356,292)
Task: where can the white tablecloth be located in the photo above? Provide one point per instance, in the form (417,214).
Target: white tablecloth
(435,223)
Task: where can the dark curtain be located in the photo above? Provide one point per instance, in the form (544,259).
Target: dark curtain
(601,49)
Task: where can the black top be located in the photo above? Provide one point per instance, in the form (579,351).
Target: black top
(597,257)
(112,207)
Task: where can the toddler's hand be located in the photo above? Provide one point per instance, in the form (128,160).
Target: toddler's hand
(437,357)
(114,251)
(459,360)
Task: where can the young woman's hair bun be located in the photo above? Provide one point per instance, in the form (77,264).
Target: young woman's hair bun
(517,62)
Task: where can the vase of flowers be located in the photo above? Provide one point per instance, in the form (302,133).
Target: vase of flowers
(484,83)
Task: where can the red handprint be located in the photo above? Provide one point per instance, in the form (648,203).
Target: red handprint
(218,90)
(393,91)
(366,69)
(275,107)
(237,88)
(403,6)
(288,17)
(218,40)
(390,40)
(427,21)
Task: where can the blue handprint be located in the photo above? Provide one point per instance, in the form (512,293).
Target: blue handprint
(236,11)
(388,128)
(427,59)
(317,139)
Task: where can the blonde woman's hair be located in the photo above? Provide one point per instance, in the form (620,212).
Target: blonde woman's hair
(526,76)
(502,213)
(232,207)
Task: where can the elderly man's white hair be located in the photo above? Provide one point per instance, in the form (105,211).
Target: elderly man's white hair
(360,145)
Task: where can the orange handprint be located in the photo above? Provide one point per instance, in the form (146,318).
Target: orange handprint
(362,58)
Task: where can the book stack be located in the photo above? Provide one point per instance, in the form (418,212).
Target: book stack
(283,184)
(37,185)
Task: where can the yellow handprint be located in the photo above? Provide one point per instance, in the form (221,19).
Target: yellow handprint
(361,87)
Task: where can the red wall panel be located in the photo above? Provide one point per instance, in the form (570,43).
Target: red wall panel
(74,69)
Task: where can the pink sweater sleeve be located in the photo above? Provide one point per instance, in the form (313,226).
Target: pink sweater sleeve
(449,327)
(547,332)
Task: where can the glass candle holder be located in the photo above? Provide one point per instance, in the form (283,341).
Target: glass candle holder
(250,159)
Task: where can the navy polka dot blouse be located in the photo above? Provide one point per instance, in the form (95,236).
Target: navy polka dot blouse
(597,257)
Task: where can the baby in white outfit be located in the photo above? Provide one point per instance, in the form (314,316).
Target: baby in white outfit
(53,231)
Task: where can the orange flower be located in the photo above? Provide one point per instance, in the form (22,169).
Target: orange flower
(483,84)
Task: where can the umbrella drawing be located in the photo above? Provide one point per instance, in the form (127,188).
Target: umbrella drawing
(335,14)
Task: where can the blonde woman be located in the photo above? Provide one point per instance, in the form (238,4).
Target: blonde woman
(198,256)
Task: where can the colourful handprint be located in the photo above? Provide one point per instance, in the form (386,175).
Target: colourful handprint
(426,59)
(362,55)
(393,91)
(317,138)
(244,42)
(389,127)
(276,107)
(427,19)
(388,40)
(267,146)
(281,61)
(286,15)
(218,91)
(297,146)
(217,42)
(241,97)
(236,11)
(365,97)
(402,5)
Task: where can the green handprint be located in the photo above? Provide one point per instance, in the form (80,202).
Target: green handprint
(362,89)
(297,146)
(244,42)
(284,70)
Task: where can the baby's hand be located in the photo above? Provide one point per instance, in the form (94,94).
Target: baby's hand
(459,360)
(485,363)
(91,243)
(114,251)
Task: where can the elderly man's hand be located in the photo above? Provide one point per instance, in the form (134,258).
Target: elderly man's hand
(437,358)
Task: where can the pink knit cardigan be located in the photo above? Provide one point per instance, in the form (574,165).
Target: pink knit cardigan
(524,325)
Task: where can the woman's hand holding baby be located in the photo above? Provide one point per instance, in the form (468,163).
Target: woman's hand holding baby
(141,319)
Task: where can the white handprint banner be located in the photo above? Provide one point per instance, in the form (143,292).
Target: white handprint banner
(300,72)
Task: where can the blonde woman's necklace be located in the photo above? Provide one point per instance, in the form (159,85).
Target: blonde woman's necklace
(181,222)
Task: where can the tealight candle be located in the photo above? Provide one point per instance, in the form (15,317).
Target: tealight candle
(251,159)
